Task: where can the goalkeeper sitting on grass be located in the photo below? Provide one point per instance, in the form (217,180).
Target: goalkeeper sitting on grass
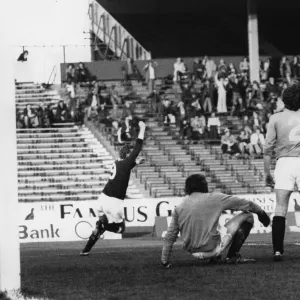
(197,220)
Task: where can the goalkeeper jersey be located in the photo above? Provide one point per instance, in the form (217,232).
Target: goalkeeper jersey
(197,219)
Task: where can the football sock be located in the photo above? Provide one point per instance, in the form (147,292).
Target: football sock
(239,238)
(278,230)
(115,227)
(91,242)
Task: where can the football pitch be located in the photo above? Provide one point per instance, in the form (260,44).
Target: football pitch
(129,269)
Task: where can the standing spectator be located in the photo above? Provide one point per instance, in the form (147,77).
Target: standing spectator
(198,69)
(82,73)
(244,65)
(210,67)
(70,74)
(131,71)
(30,117)
(257,141)
(221,85)
(295,68)
(237,101)
(61,112)
(213,126)
(127,110)
(271,87)
(166,103)
(206,96)
(284,67)
(195,106)
(265,70)
(222,68)
(181,112)
(231,69)
(256,97)
(180,70)
(229,144)
(150,75)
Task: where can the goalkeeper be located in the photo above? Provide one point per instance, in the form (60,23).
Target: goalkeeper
(197,220)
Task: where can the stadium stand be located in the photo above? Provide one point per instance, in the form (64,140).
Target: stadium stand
(61,162)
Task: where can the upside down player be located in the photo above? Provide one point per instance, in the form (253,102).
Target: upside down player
(283,135)
(111,213)
(197,219)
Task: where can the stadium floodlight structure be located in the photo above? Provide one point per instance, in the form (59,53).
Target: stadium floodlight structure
(253,41)
(9,217)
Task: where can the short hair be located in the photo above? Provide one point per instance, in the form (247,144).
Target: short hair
(124,151)
(290,97)
(196,183)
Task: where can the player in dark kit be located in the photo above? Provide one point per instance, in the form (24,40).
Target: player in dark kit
(111,212)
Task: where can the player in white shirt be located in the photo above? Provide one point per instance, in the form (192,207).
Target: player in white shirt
(283,136)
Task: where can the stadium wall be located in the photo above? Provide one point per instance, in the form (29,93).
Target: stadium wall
(74,220)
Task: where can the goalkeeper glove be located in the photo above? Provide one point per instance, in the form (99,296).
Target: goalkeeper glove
(166,265)
(264,218)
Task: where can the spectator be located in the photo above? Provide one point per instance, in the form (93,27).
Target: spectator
(244,140)
(23,56)
(71,74)
(150,75)
(198,69)
(20,120)
(271,87)
(93,105)
(131,71)
(195,106)
(114,96)
(271,103)
(237,101)
(198,125)
(30,117)
(295,68)
(256,97)
(232,70)
(229,144)
(62,114)
(222,68)
(43,116)
(166,109)
(221,85)
(264,75)
(155,103)
(210,67)
(123,133)
(185,129)
(83,74)
(257,142)
(284,67)
(181,111)
(180,70)
(206,96)
(127,110)
(244,65)
(213,126)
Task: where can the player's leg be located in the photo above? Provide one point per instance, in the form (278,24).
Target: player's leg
(94,237)
(116,220)
(239,228)
(279,220)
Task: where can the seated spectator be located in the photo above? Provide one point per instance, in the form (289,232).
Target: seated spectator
(185,129)
(82,73)
(244,140)
(213,126)
(114,96)
(206,96)
(124,134)
(30,117)
(20,120)
(23,56)
(180,70)
(43,116)
(244,65)
(256,97)
(256,121)
(198,69)
(198,125)
(229,144)
(271,103)
(257,141)
(271,87)
(131,71)
(127,109)
(150,76)
(62,114)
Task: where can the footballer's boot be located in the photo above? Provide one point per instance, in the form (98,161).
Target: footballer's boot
(99,230)
(238,259)
(278,256)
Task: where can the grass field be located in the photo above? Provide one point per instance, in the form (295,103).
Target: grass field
(129,269)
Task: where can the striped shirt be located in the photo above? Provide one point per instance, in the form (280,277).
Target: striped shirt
(197,219)
(283,134)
